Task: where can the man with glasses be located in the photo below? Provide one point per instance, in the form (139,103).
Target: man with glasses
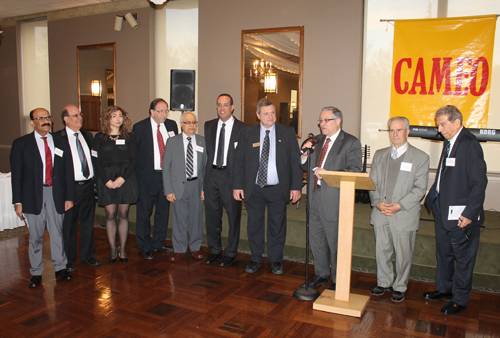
(80,145)
(183,172)
(221,136)
(456,199)
(43,188)
(151,135)
(336,150)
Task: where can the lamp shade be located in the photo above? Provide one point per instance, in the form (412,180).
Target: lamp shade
(96,87)
(271,83)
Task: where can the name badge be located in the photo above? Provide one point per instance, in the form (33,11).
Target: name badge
(256,144)
(455,211)
(199,149)
(120,142)
(58,152)
(235,145)
(94,153)
(450,162)
(405,166)
(171,134)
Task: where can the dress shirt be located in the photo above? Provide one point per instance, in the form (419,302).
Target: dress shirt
(229,127)
(195,153)
(452,143)
(332,141)
(164,134)
(401,150)
(272,172)
(77,165)
(41,148)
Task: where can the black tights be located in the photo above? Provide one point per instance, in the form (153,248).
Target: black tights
(111,211)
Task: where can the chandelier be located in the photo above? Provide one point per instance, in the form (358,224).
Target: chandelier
(262,72)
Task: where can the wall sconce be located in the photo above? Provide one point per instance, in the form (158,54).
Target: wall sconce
(271,83)
(118,23)
(96,87)
(132,20)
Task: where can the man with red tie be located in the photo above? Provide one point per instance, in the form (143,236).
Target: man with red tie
(43,188)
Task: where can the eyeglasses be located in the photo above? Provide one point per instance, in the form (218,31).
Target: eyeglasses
(75,115)
(41,118)
(325,120)
(162,111)
(191,122)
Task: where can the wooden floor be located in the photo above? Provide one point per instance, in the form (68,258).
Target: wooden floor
(157,298)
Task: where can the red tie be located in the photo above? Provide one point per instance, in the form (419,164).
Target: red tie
(48,162)
(161,145)
(321,158)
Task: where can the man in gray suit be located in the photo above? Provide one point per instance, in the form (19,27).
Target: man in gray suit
(400,173)
(336,151)
(183,185)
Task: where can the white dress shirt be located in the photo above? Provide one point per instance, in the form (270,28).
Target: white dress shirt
(77,165)
(164,134)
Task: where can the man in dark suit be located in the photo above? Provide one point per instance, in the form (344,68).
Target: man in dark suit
(336,151)
(80,145)
(43,189)
(267,173)
(221,137)
(456,200)
(151,135)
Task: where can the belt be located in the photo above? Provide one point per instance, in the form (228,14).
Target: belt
(191,179)
(83,182)
(46,185)
(159,171)
(221,168)
(268,186)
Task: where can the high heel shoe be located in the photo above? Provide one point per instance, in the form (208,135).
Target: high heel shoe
(112,260)
(122,259)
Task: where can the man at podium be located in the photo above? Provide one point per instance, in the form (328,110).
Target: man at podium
(400,173)
(336,151)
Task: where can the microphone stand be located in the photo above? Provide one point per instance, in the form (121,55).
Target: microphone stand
(305,292)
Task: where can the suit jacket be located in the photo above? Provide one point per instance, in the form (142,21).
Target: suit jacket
(27,174)
(246,163)
(462,184)
(345,155)
(211,138)
(174,165)
(145,151)
(89,138)
(409,189)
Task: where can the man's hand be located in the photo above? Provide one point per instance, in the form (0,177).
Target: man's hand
(295,195)
(318,172)
(68,205)
(202,195)
(463,221)
(171,197)
(238,194)
(388,209)
(110,184)
(18,208)
(308,145)
(119,182)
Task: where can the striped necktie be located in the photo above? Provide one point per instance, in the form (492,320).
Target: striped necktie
(189,159)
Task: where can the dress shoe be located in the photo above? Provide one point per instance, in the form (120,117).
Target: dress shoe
(91,262)
(317,280)
(197,254)
(63,275)
(166,248)
(277,268)
(123,258)
(35,281)
(212,258)
(331,287)
(112,257)
(436,295)
(70,267)
(398,296)
(380,290)
(452,309)
(177,256)
(252,267)
(226,261)
(147,254)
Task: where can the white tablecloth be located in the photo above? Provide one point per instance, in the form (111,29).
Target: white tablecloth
(8,217)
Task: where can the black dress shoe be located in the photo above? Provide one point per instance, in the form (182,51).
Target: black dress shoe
(452,309)
(316,281)
(252,267)
(226,261)
(166,248)
(212,258)
(70,267)
(112,258)
(63,275)
(331,287)
(91,262)
(380,290)
(147,254)
(35,281)
(436,295)
(277,268)
(398,296)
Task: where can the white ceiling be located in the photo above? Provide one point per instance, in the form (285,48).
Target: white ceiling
(10,8)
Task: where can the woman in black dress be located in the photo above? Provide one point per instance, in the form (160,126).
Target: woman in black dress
(115,160)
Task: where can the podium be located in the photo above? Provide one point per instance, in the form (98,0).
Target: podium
(342,301)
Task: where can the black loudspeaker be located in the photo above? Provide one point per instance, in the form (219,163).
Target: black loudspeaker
(182,89)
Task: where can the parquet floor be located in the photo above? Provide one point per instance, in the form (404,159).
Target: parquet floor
(157,298)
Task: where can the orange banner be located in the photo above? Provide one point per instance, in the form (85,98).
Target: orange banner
(437,62)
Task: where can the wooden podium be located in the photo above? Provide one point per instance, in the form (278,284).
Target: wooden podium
(342,301)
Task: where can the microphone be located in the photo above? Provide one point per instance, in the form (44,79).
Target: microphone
(314,141)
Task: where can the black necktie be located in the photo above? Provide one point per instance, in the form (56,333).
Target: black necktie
(220,148)
(189,159)
(83,159)
(264,161)
(446,152)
